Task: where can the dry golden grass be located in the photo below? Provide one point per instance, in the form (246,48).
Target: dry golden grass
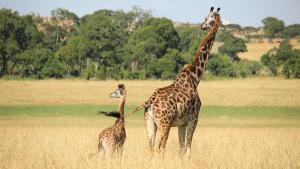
(256,49)
(215,47)
(251,92)
(43,144)
(238,92)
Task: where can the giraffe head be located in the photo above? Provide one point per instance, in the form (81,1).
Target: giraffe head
(212,17)
(119,92)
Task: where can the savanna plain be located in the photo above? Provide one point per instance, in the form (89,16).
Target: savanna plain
(243,123)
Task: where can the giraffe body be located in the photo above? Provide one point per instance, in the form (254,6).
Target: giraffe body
(178,104)
(111,139)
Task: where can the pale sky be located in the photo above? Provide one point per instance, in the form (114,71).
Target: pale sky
(243,12)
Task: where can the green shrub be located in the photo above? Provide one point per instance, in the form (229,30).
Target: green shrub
(53,68)
(167,75)
(253,68)
(291,67)
(89,72)
(100,74)
(113,73)
(133,75)
(219,65)
(243,74)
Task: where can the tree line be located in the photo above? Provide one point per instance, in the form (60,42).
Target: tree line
(119,45)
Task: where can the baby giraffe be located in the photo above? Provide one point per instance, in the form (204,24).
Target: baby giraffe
(111,139)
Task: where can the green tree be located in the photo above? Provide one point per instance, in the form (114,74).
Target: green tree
(16,34)
(272,27)
(64,14)
(167,66)
(103,40)
(73,56)
(283,58)
(164,28)
(232,46)
(190,36)
(53,68)
(223,35)
(291,31)
(284,52)
(291,68)
(35,60)
(63,22)
(268,60)
(150,42)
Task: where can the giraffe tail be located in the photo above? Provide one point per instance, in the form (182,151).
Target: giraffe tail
(112,113)
(146,104)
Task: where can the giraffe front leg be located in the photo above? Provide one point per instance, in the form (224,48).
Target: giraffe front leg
(120,152)
(151,132)
(189,136)
(182,138)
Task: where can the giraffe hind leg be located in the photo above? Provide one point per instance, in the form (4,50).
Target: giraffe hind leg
(189,136)
(163,134)
(101,149)
(151,132)
(182,139)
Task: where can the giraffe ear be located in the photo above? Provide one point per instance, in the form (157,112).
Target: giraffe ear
(218,10)
(211,9)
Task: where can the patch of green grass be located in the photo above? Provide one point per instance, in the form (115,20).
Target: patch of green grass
(250,112)
(55,110)
(210,116)
(206,111)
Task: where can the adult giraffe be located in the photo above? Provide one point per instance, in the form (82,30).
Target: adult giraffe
(178,104)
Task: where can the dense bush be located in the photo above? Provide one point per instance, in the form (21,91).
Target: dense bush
(219,65)
(53,68)
(291,68)
(246,68)
(284,58)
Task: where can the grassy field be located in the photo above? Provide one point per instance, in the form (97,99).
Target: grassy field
(243,123)
(238,92)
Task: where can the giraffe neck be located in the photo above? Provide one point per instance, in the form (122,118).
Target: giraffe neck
(194,71)
(119,124)
(121,105)
(202,55)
